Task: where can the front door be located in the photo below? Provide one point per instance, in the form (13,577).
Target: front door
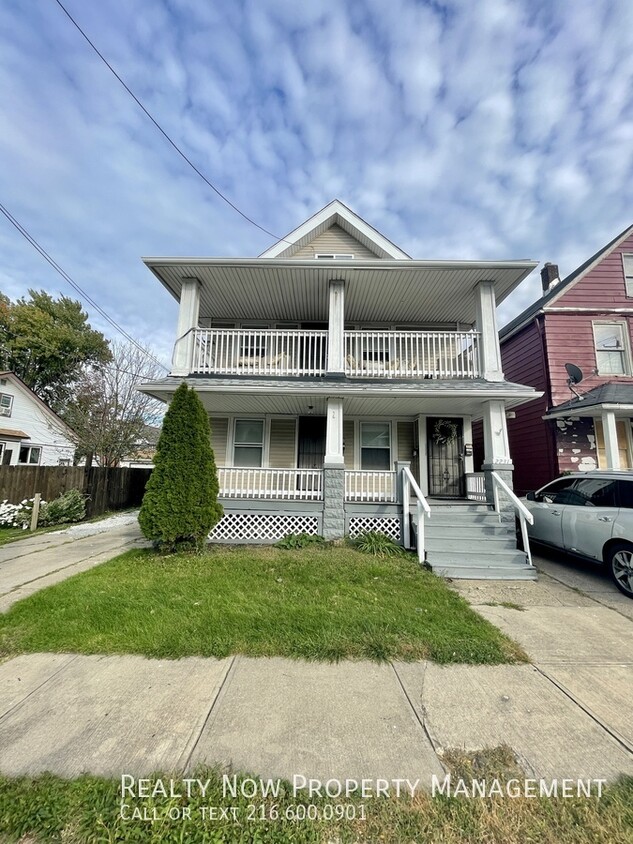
(311,452)
(445,454)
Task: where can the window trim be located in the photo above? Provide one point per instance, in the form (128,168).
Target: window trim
(30,449)
(235,444)
(334,256)
(362,422)
(10,407)
(628,275)
(626,347)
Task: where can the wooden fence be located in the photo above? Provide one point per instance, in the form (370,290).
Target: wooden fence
(107,489)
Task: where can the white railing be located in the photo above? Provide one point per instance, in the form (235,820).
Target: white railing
(410,485)
(412,354)
(258,352)
(288,484)
(499,485)
(370,486)
(476,486)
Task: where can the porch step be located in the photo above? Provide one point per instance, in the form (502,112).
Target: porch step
(467,541)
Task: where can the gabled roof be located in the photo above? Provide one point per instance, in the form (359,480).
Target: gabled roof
(605,394)
(26,389)
(573,278)
(336,213)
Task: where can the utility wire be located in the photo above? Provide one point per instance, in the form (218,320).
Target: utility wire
(163,132)
(75,286)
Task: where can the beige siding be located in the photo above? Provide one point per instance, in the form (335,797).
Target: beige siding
(348,439)
(405,440)
(335,241)
(282,450)
(219,434)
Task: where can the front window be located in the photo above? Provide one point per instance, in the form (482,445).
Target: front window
(248,449)
(375,446)
(253,342)
(558,492)
(611,348)
(6,403)
(30,455)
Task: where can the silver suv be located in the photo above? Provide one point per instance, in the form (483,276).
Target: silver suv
(589,514)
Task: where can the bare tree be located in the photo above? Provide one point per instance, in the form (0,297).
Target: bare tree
(109,415)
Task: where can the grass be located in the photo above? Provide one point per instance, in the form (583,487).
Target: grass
(317,603)
(87,810)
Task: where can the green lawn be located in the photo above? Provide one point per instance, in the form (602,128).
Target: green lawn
(87,811)
(317,603)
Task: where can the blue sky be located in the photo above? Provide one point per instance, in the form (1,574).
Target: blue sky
(486,130)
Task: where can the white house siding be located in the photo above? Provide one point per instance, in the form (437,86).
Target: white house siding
(335,241)
(219,434)
(43,429)
(282,451)
(405,440)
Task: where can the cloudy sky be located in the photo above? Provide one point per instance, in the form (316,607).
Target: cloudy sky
(486,130)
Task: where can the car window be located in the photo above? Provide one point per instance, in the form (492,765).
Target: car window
(625,491)
(594,492)
(556,492)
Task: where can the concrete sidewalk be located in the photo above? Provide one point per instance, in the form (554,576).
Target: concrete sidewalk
(31,564)
(567,715)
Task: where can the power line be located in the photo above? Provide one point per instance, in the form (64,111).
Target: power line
(163,132)
(75,286)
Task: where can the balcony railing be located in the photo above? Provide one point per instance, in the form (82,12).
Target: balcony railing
(476,486)
(254,352)
(283,484)
(412,354)
(368,354)
(370,486)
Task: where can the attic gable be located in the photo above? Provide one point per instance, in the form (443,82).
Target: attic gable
(335,229)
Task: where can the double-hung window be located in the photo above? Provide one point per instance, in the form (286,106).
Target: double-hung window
(611,348)
(248,446)
(627,261)
(375,446)
(6,404)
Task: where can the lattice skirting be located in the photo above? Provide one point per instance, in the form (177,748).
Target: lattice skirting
(383,524)
(261,527)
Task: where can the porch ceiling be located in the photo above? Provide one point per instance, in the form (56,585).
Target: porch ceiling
(384,399)
(376,291)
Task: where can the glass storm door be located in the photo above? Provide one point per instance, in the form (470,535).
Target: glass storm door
(445,455)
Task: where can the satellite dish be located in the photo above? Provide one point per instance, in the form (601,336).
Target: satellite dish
(574,372)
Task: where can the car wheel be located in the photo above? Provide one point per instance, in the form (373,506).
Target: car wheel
(620,562)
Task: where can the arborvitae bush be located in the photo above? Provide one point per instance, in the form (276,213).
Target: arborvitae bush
(180,503)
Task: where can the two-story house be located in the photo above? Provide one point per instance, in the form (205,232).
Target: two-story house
(585,320)
(30,433)
(342,379)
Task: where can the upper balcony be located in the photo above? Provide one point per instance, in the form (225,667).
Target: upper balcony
(367,354)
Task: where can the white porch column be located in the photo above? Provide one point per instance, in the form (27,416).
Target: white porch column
(496,446)
(336,326)
(610,431)
(334,473)
(188,314)
(489,349)
(334,435)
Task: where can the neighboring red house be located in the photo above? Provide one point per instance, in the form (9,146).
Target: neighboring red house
(587,320)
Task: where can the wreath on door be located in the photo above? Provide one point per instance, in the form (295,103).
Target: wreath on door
(444,432)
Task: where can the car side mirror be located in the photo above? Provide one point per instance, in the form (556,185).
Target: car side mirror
(531,496)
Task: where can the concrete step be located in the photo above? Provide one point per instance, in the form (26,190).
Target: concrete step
(457,571)
(489,557)
(451,520)
(470,544)
(466,532)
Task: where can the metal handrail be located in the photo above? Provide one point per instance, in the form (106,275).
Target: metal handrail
(422,510)
(524,514)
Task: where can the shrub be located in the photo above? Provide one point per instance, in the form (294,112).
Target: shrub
(68,507)
(300,540)
(378,544)
(180,503)
(16,515)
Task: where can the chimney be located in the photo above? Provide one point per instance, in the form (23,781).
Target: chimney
(549,276)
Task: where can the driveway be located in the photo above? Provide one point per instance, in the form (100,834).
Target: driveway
(31,564)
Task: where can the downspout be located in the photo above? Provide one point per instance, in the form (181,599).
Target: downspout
(552,457)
